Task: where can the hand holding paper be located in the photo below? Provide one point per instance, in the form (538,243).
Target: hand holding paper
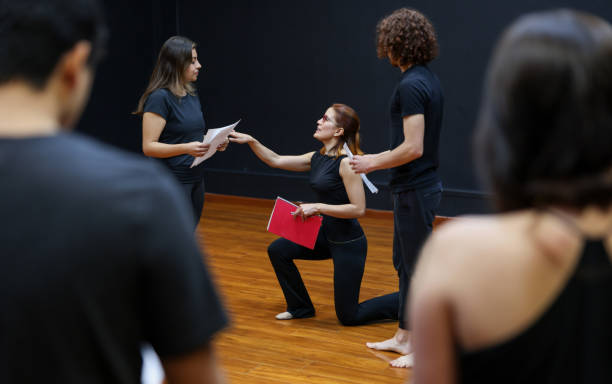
(214,138)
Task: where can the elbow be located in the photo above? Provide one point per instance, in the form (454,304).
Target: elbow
(417,153)
(360,212)
(146,150)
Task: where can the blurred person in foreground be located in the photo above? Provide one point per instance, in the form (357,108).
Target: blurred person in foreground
(97,254)
(525,295)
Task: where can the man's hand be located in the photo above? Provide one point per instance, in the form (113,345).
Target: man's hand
(362,163)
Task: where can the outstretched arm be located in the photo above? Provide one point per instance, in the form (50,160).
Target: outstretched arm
(410,149)
(354,189)
(298,163)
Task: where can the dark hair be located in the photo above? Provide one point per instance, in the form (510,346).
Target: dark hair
(544,134)
(408,36)
(34,34)
(347,119)
(174,57)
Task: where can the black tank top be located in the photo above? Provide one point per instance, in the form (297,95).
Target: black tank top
(570,343)
(325,180)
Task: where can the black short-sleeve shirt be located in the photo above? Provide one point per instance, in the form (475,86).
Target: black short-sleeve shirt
(327,183)
(418,92)
(184,124)
(97,256)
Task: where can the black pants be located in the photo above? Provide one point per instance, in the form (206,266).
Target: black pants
(349,262)
(413,214)
(194,193)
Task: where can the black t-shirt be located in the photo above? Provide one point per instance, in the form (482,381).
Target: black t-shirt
(327,183)
(97,256)
(418,92)
(569,342)
(184,124)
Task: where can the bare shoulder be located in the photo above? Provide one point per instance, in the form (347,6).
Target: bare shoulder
(466,248)
(467,235)
(345,167)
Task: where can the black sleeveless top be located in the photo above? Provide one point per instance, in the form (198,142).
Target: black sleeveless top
(570,343)
(325,180)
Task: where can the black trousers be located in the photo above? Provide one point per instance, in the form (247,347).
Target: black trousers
(194,193)
(414,212)
(349,262)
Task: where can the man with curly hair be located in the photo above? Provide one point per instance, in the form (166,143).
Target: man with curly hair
(407,38)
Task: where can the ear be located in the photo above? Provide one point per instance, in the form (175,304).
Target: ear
(73,63)
(339,131)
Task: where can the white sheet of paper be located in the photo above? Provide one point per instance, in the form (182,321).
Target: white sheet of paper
(214,137)
(152,370)
(366,181)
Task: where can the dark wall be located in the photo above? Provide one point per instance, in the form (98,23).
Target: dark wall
(277,65)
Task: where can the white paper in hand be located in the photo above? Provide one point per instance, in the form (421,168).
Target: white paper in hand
(214,137)
(366,181)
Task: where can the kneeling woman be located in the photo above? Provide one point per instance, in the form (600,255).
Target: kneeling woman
(341,200)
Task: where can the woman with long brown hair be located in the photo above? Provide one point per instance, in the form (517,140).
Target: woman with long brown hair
(341,201)
(172,121)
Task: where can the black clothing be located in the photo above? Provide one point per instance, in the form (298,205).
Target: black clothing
(414,212)
(349,262)
(194,194)
(184,124)
(571,342)
(418,92)
(343,241)
(325,180)
(416,186)
(97,256)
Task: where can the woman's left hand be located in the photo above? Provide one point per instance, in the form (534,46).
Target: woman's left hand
(222,147)
(306,210)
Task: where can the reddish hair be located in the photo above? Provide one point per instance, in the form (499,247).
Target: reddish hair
(347,119)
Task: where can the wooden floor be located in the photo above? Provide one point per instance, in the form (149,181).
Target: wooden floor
(257,348)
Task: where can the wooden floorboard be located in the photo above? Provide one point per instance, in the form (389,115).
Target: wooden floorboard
(257,348)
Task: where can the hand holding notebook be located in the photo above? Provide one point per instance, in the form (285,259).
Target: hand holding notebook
(285,223)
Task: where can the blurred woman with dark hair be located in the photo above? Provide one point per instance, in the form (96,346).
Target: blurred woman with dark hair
(341,201)
(525,296)
(172,120)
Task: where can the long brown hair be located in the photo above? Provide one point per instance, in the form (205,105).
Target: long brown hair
(346,118)
(174,57)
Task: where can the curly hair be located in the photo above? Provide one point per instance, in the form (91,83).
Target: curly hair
(408,37)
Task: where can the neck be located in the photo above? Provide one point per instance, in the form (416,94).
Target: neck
(27,112)
(406,67)
(330,144)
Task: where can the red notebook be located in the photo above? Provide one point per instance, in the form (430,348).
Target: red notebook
(292,228)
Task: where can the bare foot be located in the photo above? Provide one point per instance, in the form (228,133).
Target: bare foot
(284,316)
(399,343)
(406,361)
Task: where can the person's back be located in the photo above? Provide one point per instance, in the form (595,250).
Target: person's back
(525,296)
(97,256)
